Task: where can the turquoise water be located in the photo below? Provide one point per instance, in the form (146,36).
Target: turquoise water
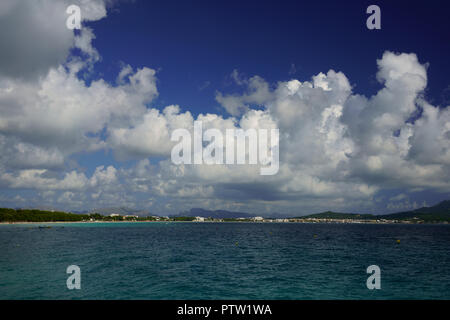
(224,261)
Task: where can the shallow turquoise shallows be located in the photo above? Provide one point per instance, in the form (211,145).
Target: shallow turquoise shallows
(224,261)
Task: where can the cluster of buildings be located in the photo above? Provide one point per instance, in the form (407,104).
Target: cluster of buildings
(126,217)
(117,216)
(300,220)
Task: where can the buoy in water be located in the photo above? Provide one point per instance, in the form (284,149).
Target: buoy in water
(398,241)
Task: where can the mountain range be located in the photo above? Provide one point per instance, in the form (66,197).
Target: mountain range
(216,214)
(123,211)
(438,212)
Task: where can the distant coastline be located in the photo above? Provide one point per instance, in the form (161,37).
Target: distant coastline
(206,222)
(265,221)
(440,213)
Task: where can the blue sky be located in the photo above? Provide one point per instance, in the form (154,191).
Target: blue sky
(194,44)
(371,135)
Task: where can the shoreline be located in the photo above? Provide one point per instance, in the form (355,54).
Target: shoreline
(256,222)
(46,222)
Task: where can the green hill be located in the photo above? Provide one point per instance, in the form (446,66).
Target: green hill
(436,213)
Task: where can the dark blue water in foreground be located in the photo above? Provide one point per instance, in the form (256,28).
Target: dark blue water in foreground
(224,261)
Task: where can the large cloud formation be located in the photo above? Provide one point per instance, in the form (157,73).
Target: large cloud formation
(337,148)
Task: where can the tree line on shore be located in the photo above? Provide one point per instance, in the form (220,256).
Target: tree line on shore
(34,215)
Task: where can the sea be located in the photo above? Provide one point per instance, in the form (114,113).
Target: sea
(188,260)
